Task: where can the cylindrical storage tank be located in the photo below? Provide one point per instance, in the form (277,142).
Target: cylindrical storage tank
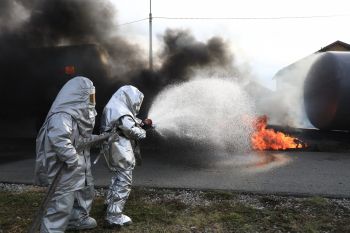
(327,91)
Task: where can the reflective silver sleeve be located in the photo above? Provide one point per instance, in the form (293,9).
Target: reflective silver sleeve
(60,131)
(130,129)
(95,141)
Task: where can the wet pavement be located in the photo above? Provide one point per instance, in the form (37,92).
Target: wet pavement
(294,173)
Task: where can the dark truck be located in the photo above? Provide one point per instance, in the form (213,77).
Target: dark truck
(31,78)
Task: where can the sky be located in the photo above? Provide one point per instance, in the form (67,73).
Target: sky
(265,45)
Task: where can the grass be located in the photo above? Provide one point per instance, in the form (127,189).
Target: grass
(165,210)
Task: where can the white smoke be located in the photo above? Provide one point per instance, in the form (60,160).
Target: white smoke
(286,105)
(208,110)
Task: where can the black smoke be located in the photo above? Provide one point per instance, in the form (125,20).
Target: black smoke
(30,25)
(182,55)
(47,23)
(31,32)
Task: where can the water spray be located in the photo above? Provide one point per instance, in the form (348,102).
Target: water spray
(210,111)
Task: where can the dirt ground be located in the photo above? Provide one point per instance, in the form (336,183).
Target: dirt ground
(178,210)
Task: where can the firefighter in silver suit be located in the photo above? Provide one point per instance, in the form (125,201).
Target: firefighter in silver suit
(120,114)
(71,119)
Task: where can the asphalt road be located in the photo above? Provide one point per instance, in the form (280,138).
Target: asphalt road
(295,173)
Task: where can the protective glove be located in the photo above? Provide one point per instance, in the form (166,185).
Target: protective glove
(146,124)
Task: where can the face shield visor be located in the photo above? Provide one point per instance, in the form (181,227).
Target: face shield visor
(91,111)
(137,106)
(92,97)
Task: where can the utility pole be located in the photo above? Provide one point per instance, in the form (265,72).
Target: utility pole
(150,36)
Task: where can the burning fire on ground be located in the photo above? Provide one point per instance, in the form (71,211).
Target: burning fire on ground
(268,139)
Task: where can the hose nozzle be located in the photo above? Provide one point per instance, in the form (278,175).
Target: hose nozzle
(147,124)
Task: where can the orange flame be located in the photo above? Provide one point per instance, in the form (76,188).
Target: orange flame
(268,139)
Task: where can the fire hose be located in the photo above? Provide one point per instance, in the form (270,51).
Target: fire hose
(52,188)
(146,124)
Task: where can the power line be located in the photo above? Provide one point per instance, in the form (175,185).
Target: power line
(236,18)
(136,21)
(250,18)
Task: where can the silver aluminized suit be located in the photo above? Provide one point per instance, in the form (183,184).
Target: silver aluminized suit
(120,113)
(71,118)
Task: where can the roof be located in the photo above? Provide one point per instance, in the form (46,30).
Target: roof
(335,46)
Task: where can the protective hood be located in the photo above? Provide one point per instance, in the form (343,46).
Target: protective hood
(75,98)
(126,100)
